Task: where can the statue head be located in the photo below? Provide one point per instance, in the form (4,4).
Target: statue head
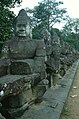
(55,38)
(45,34)
(23,25)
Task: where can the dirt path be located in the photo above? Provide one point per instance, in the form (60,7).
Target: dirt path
(71,109)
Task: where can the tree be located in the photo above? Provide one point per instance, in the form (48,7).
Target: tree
(6,18)
(70,32)
(46,14)
(72,25)
(9,3)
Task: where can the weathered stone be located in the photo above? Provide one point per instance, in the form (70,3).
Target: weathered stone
(1,117)
(20,67)
(25,60)
(56,50)
(53,100)
(21,20)
(3,67)
(40,89)
(41,49)
(46,36)
(53,51)
(17,112)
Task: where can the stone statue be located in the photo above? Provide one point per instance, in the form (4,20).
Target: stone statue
(53,58)
(67,57)
(23,50)
(56,50)
(46,36)
(25,62)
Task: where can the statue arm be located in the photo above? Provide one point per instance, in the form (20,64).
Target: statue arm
(5,56)
(40,58)
(5,51)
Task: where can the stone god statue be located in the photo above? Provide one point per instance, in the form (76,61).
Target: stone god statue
(24,62)
(56,50)
(46,36)
(53,51)
(26,55)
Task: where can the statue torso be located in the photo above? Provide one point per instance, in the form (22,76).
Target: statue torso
(22,49)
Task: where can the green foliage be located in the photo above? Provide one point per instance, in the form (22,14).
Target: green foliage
(70,32)
(9,3)
(57,31)
(36,32)
(72,25)
(46,14)
(6,18)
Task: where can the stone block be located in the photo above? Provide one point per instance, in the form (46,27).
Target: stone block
(21,67)
(19,100)
(41,49)
(1,117)
(3,67)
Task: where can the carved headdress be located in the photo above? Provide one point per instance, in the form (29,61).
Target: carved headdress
(22,17)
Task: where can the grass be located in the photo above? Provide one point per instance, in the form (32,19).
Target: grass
(65,113)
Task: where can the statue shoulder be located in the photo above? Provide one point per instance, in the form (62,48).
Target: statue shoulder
(40,43)
(41,48)
(9,41)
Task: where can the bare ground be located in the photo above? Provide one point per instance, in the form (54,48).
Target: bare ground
(71,108)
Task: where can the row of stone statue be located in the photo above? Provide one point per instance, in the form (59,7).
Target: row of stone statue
(60,56)
(28,67)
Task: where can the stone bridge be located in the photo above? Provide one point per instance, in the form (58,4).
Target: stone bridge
(35,75)
(52,102)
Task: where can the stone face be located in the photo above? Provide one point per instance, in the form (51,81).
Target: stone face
(23,24)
